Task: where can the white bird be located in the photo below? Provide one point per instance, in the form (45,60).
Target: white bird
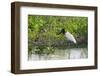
(69,36)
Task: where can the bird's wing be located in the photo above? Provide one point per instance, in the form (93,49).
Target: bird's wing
(70,37)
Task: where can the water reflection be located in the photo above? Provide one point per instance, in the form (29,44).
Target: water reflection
(75,53)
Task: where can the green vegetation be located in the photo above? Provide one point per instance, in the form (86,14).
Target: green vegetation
(43,31)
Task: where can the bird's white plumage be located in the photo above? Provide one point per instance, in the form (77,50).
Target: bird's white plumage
(70,37)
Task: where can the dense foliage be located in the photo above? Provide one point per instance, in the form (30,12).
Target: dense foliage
(43,32)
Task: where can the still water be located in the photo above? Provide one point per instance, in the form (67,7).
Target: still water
(74,53)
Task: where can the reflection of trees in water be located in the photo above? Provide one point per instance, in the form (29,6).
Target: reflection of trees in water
(74,53)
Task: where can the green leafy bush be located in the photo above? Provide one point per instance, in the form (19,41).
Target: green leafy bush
(43,32)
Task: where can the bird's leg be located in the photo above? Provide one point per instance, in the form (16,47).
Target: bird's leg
(77,46)
(69,44)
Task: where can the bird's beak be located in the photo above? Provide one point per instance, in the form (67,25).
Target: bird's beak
(58,33)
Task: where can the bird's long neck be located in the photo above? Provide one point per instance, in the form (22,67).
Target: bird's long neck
(63,31)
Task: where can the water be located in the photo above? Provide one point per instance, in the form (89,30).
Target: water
(74,53)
